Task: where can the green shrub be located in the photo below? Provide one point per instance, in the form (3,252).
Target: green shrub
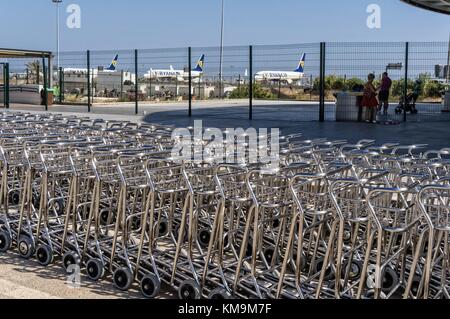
(432,89)
(258,92)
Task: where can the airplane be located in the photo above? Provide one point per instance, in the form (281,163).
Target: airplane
(112,67)
(284,76)
(180,75)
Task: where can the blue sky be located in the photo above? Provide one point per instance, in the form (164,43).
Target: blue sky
(114,24)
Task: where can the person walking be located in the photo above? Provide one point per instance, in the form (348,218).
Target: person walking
(369,100)
(383,96)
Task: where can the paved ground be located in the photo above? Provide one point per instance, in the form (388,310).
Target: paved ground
(24,279)
(290,117)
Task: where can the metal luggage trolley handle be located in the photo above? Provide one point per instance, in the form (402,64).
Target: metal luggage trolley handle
(166,203)
(202,204)
(394,219)
(430,260)
(312,215)
(264,235)
(222,254)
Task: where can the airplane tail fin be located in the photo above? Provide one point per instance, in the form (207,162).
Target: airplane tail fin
(200,64)
(114,62)
(301,64)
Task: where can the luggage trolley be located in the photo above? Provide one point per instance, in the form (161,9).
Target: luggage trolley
(431,258)
(394,220)
(167,202)
(308,270)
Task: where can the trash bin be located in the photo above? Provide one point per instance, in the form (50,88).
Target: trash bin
(348,106)
(446,102)
(50,97)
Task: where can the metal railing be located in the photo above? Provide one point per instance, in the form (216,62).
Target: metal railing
(419,72)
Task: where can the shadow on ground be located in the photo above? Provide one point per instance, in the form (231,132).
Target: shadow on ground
(103,289)
(435,134)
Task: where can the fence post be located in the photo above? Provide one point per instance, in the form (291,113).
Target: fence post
(44,72)
(89,79)
(279,89)
(322,83)
(250,89)
(136,85)
(61,75)
(49,73)
(150,87)
(121,85)
(6,85)
(38,77)
(405,89)
(190,79)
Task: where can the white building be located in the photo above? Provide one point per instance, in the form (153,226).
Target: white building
(100,80)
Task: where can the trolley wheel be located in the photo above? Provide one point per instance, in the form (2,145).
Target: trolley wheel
(390,280)
(104,215)
(163,228)
(95,269)
(347,234)
(71,258)
(189,289)
(268,254)
(356,267)
(329,273)
(150,286)
(219,293)
(36,201)
(249,249)
(58,205)
(5,241)
(176,232)
(204,237)
(122,278)
(14,198)
(26,246)
(44,255)
(370,294)
(303,261)
(416,281)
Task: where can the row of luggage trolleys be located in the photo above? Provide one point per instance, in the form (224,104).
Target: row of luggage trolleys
(334,220)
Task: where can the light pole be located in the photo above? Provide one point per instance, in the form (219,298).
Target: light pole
(57,2)
(222,24)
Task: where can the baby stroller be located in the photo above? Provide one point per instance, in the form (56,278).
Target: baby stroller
(410,104)
(411,100)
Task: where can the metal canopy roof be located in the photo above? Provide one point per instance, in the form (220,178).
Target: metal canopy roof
(12,53)
(441,6)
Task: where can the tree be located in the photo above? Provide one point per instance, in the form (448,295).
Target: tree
(34,70)
(432,89)
(398,86)
(352,82)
